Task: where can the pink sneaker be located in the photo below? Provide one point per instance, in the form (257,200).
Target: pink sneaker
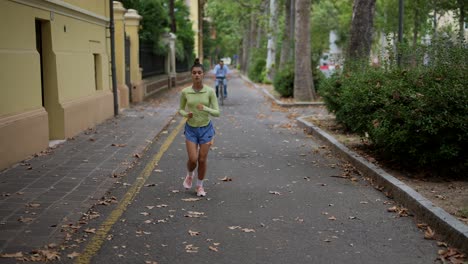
(200,191)
(188,182)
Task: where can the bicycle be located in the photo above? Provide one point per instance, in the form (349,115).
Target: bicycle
(221,88)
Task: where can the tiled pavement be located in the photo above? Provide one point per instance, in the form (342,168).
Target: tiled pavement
(54,188)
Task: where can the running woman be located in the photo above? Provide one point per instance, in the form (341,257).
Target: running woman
(201,103)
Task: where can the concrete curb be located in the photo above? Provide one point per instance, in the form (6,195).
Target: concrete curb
(278,102)
(445,225)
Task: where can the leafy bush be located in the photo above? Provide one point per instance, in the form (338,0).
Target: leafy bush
(284,81)
(256,69)
(415,115)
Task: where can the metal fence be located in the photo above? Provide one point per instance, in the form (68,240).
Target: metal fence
(182,66)
(151,63)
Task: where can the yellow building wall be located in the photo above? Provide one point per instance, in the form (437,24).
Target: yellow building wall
(75,32)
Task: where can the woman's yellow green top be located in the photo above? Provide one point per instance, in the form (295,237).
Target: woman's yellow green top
(190,98)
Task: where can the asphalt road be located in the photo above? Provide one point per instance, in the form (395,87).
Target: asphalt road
(283,205)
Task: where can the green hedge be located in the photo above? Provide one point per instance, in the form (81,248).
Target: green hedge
(414,115)
(284,81)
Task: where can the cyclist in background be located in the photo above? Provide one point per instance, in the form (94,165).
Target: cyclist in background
(221,71)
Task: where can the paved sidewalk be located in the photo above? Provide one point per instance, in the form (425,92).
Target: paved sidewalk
(55,188)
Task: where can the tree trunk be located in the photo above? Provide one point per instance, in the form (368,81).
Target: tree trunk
(172,16)
(303,83)
(361,32)
(271,47)
(286,47)
(461,18)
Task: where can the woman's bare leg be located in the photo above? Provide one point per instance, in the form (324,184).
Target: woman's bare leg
(192,153)
(202,160)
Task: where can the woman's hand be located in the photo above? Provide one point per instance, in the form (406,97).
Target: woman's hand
(200,107)
(189,115)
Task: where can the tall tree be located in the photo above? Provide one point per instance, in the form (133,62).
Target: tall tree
(271,46)
(286,53)
(303,84)
(172,16)
(362,24)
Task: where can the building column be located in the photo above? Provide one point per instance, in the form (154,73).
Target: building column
(119,28)
(132,25)
(170,39)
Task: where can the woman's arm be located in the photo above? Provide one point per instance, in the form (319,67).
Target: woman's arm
(214,110)
(182,104)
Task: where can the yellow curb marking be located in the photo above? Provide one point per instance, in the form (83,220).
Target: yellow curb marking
(95,244)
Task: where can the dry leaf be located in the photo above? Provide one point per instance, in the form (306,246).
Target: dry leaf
(90,230)
(392,209)
(422,226)
(193,233)
(429,234)
(137,155)
(332,218)
(12,255)
(213,248)
(194,214)
(25,219)
(73,255)
(150,207)
(274,192)
(150,262)
(191,199)
(33,205)
(226,179)
(144,213)
(148,222)
(247,230)
(234,227)
(191,248)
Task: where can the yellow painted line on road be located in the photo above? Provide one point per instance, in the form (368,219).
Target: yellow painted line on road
(95,244)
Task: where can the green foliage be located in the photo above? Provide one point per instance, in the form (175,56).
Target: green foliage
(284,81)
(185,42)
(257,65)
(415,114)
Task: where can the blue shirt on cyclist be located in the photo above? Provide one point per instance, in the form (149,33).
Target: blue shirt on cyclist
(221,71)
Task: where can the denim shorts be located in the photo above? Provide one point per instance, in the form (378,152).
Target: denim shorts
(199,135)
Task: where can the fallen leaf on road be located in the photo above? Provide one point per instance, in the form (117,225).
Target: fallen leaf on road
(194,214)
(422,226)
(137,155)
(161,205)
(144,213)
(90,230)
(33,205)
(247,230)
(150,207)
(213,248)
(191,248)
(118,145)
(175,191)
(275,192)
(332,218)
(226,179)
(25,219)
(150,184)
(150,262)
(191,199)
(234,227)
(12,255)
(429,234)
(148,222)
(327,240)
(442,244)
(158,170)
(193,233)
(73,255)
(392,209)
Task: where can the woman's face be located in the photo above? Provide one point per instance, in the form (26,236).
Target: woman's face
(197,74)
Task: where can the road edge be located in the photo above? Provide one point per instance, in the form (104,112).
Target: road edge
(445,225)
